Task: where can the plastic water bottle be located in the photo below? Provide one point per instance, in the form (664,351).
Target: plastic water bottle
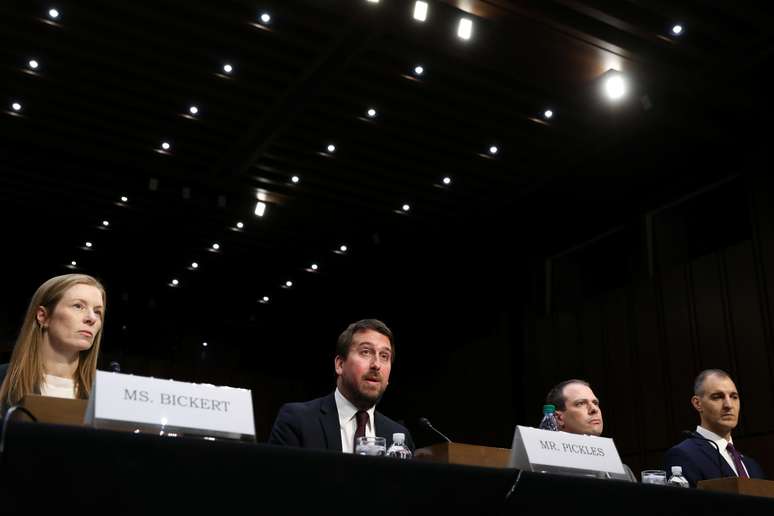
(549,419)
(677,479)
(399,450)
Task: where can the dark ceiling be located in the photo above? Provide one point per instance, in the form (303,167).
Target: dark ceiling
(116,79)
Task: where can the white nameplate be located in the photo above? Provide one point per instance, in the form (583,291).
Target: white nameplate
(561,452)
(129,402)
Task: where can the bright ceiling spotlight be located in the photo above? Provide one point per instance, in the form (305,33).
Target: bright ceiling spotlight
(465,28)
(343,248)
(331,148)
(165,145)
(16,106)
(288,283)
(260,208)
(194,265)
(124,198)
(677,29)
(175,282)
(295,179)
(228,68)
(215,246)
(265,299)
(420,11)
(204,344)
(615,87)
(53,14)
(89,244)
(193,110)
(314,267)
(106,223)
(373,1)
(73,263)
(240,225)
(33,64)
(265,18)
(446,180)
(419,70)
(406,208)
(371,113)
(493,150)
(548,114)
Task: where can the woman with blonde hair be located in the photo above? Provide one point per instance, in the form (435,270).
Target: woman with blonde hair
(58,345)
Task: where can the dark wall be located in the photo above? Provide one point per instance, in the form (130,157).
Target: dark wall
(641,310)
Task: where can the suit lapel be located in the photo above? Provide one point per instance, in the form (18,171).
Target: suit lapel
(381,428)
(329,421)
(712,455)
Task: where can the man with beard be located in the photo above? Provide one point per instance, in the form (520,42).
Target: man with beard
(364,356)
(710,452)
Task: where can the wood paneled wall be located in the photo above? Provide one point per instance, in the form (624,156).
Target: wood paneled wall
(698,295)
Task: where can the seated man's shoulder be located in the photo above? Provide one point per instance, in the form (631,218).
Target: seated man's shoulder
(302,407)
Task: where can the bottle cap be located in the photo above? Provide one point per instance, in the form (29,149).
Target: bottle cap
(398,438)
(677,470)
(547,409)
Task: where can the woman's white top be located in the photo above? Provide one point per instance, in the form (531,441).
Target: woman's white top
(58,387)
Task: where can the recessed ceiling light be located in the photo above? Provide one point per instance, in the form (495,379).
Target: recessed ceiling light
(493,150)
(33,64)
(420,11)
(295,179)
(228,68)
(465,28)
(343,248)
(175,282)
(314,267)
(124,198)
(240,225)
(371,113)
(373,1)
(405,207)
(419,70)
(216,246)
(193,110)
(615,87)
(194,265)
(204,344)
(53,14)
(16,106)
(331,148)
(106,223)
(677,29)
(265,18)
(265,299)
(288,283)
(446,180)
(165,145)
(548,113)
(73,263)
(88,244)
(260,208)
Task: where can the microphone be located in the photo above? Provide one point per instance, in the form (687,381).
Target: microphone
(426,423)
(691,434)
(115,366)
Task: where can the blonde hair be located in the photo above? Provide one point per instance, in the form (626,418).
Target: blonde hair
(26,370)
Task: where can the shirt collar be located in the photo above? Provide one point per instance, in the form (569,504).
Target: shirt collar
(712,436)
(347,410)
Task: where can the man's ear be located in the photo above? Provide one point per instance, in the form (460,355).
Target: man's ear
(559,414)
(337,364)
(41,314)
(696,402)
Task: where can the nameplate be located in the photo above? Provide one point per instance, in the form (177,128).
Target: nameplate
(561,452)
(143,404)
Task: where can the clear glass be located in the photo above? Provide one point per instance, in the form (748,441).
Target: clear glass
(375,446)
(654,476)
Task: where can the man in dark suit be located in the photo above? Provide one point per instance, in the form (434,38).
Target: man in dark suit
(364,357)
(710,452)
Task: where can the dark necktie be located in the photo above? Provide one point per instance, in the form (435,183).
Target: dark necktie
(362,420)
(737,458)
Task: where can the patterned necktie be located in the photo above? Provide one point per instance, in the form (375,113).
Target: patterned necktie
(362,420)
(741,472)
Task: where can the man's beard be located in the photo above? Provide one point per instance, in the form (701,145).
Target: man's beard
(360,399)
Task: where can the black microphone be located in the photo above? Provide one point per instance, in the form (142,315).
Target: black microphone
(115,367)
(691,434)
(426,422)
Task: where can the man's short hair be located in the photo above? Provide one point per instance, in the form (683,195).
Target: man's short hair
(556,396)
(345,339)
(698,384)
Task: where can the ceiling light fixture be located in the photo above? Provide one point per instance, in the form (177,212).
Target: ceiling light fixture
(228,68)
(215,246)
(265,18)
(105,223)
(677,29)
(314,267)
(53,14)
(260,208)
(615,87)
(175,282)
(371,113)
(88,244)
(16,106)
(419,70)
(331,148)
(124,198)
(465,28)
(548,114)
(165,145)
(295,179)
(240,225)
(343,248)
(446,180)
(420,11)
(33,64)
(194,265)
(493,150)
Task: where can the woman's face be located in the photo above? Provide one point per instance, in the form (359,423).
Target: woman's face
(75,320)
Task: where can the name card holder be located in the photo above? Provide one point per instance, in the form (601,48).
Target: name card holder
(563,453)
(167,407)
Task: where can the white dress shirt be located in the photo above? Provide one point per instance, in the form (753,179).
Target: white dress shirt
(722,443)
(348,422)
(58,387)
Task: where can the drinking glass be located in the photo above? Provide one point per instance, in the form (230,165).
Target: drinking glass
(654,476)
(371,446)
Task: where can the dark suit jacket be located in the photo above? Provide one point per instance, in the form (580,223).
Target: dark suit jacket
(315,424)
(701,461)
